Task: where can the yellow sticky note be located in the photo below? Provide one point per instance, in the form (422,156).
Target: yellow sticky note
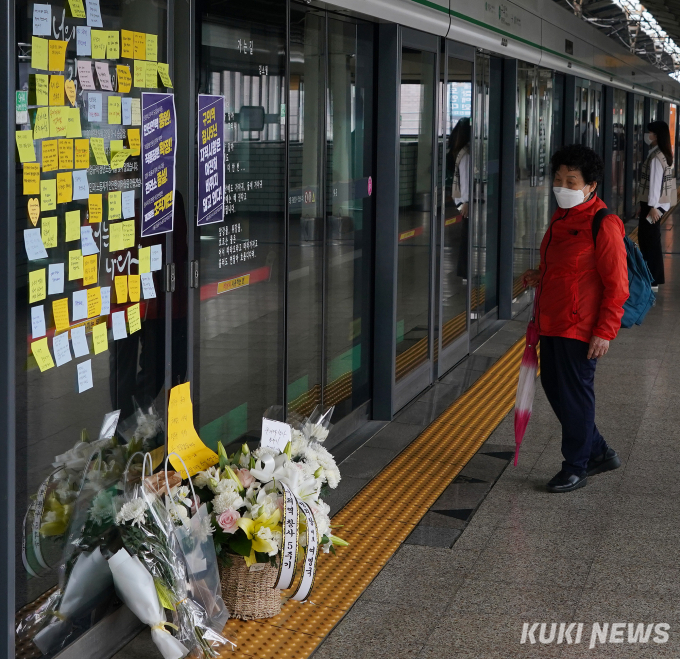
(124,78)
(48,231)
(77,9)
(128,233)
(114,110)
(133,287)
(112,45)
(121,288)
(56,90)
(58,121)
(36,286)
(65,148)
(48,194)
(140,45)
(64,187)
(82,154)
(115,237)
(32,178)
(100,338)
(140,73)
(72,226)
(115,200)
(164,73)
(33,207)
(97,145)
(25,146)
(94,205)
(127,44)
(42,124)
(75,264)
(151,76)
(73,127)
(134,321)
(50,156)
(115,146)
(134,141)
(57,55)
(99,42)
(42,89)
(144,257)
(89,269)
(119,159)
(39,53)
(94,302)
(42,354)
(183,440)
(70,90)
(152,47)
(60,313)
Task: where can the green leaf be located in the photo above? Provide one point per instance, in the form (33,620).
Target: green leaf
(164,594)
(240,544)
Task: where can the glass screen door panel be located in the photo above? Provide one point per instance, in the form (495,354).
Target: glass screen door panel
(457,116)
(416,142)
(543,193)
(239,345)
(306,209)
(638,146)
(619,152)
(349,216)
(90,372)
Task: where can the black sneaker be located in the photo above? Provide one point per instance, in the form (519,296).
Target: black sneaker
(605,462)
(566,482)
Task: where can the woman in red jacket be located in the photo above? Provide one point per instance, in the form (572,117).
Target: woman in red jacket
(582,287)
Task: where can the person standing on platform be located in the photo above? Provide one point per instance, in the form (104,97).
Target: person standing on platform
(655,191)
(582,286)
(461,190)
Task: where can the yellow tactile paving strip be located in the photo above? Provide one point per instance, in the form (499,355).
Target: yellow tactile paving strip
(382,515)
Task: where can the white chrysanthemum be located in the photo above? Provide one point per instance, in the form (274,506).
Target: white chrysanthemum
(277,539)
(260,452)
(332,477)
(302,538)
(206,526)
(220,487)
(265,534)
(228,499)
(133,511)
(178,514)
(102,508)
(318,432)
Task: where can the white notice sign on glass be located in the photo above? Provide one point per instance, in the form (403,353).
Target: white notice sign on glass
(275,434)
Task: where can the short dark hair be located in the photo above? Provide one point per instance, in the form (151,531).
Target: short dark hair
(581,158)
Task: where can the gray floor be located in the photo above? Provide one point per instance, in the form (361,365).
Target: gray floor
(607,553)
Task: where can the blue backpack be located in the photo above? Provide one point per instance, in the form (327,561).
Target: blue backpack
(641,297)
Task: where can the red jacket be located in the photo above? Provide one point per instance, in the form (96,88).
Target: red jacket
(582,288)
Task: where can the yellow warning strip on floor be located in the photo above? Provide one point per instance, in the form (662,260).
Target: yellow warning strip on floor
(382,515)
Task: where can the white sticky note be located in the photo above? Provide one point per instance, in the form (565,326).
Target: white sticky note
(148,289)
(81,186)
(55,279)
(42,21)
(156,257)
(87,242)
(118,322)
(127,111)
(85,75)
(79,341)
(103,75)
(38,321)
(85,369)
(62,352)
(94,13)
(35,249)
(105,292)
(128,204)
(275,434)
(136,111)
(83,41)
(94,107)
(79,305)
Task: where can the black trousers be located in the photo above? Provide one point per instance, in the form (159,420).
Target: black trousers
(649,238)
(568,379)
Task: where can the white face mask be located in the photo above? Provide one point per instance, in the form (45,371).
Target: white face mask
(647,139)
(568,198)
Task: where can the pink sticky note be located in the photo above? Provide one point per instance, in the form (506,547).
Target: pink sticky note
(85,75)
(103,75)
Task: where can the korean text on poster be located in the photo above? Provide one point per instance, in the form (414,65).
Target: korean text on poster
(159,138)
(210,159)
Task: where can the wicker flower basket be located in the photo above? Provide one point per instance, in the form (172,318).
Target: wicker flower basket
(248,594)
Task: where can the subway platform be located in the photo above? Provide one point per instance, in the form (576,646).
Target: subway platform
(456,553)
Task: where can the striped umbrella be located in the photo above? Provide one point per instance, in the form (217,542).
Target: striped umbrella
(526,386)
